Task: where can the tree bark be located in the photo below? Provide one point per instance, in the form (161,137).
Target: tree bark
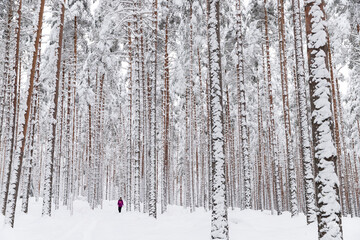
(50,164)
(14,185)
(219,216)
(326,181)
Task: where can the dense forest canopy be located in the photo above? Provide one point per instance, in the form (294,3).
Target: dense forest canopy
(199,103)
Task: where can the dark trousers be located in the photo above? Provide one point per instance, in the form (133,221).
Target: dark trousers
(119,209)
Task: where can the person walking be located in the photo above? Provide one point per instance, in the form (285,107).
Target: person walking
(120,204)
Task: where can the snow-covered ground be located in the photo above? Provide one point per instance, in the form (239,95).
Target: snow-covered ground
(177,224)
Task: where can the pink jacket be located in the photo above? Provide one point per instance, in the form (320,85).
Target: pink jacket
(120,203)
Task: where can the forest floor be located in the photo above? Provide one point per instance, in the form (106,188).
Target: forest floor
(177,224)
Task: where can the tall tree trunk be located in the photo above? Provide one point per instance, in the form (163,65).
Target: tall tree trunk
(166,117)
(286,111)
(90,150)
(273,152)
(129,136)
(8,164)
(50,164)
(137,130)
(219,216)
(342,128)
(326,181)
(66,171)
(242,112)
(58,162)
(15,180)
(341,158)
(153,145)
(304,132)
(34,125)
(260,155)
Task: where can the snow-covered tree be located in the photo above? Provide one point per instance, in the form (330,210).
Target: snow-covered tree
(326,179)
(219,217)
(304,127)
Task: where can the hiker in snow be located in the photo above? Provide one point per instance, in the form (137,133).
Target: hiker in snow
(120,204)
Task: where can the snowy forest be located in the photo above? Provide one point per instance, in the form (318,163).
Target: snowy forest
(211,107)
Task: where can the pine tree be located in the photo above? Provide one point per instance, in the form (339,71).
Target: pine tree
(15,180)
(272,148)
(166,116)
(219,221)
(242,110)
(304,133)
(326,179)
(129,136)
(153,81)
(34,125)
(137,126)
(50,164)
(286,111)
(4,98)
